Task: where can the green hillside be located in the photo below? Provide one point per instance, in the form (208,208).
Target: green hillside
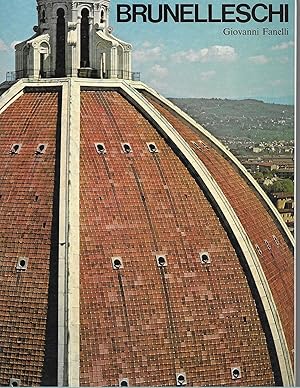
(249,118)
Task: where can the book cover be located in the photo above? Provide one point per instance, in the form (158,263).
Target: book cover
(147,193)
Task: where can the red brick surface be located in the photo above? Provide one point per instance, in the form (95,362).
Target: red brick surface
(142,322)
(275,255)
(26,197)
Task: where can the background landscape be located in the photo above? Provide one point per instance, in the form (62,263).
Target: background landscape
(261,135)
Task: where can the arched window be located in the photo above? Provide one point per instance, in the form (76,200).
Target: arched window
(44,50)
(102,20)
(25,61)
(85,39)
(60,43)
(43,18)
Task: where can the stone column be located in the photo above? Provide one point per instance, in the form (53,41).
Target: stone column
(35,57)
(92,50)
(72,67)
(52,31)
(114,61)
(78,43)
(127,62)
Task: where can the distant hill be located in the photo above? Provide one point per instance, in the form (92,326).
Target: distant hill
(247,118)
(287,100)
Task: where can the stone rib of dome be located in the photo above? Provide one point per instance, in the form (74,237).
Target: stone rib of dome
(150,322)
(26,232)
(275,253)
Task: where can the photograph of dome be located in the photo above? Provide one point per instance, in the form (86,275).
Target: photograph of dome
(135,248)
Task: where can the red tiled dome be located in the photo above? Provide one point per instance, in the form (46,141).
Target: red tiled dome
(182,297)
(27,230)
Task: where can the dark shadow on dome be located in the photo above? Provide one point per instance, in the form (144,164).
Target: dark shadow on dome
(264,323)
(49,374)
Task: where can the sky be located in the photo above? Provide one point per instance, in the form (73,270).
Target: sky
(186,59)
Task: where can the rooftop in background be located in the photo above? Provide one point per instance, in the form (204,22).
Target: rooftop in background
(283,195)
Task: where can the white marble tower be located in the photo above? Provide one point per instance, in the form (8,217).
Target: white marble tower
(73,38)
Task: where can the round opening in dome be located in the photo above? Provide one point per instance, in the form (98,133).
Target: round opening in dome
(15,148)
(152,147)
(161,261)
(100,148)
(235,373)
(127,148)
(204,258)
(117,263)
(180,379)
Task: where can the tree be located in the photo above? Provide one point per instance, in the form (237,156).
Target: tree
(259,176)
(283,185)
